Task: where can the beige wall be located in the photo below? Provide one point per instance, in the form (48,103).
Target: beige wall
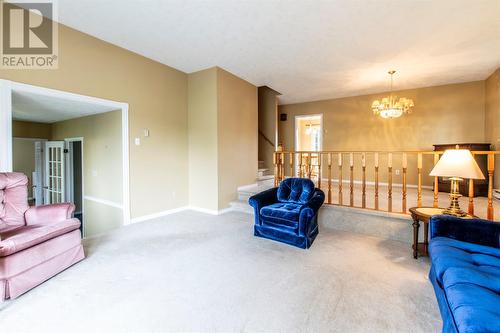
(237,135)
(222,137)
(23,150)
(23,159)
(96,212)
(268,117)
(202,124)
(102,165)
(26,129)
(157,97)
(443,114)
(492,124)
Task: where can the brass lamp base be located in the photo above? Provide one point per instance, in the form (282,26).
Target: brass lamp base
(454,208)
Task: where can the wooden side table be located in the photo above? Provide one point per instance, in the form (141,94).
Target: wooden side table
(424,214)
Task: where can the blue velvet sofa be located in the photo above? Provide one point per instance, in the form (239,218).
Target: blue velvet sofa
(465,273)
(288,213)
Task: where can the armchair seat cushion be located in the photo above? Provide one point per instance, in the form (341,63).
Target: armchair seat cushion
(21,238)
(282,210)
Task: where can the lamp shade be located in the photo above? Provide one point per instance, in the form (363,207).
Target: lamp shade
(457,163)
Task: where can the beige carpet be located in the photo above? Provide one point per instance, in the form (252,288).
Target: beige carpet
(192,272)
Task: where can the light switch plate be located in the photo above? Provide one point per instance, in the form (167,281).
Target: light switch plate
(137,141)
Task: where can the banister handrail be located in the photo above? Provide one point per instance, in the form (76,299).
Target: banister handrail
(427,152)
(318,164)
(266,138)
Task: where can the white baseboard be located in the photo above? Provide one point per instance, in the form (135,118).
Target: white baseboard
(104,201)
(210,211)
(159,214)
(177,210)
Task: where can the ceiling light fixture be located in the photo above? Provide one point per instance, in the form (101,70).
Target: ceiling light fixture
(390,107)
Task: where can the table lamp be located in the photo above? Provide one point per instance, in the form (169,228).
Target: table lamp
(456,164)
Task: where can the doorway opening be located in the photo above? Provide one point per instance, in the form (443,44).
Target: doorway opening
(43,132)
(309,133)
(308,138)
(74,175)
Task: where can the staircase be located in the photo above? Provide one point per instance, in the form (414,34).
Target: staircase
(263,173)
(264,181)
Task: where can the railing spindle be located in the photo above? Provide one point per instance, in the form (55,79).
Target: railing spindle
(389,182)
(351,179)
(309,165)
(282,166)
(301,171)
(340,179)
(329,178)
(363,186)
(375,157)
(405,166)
(275,163)
(319,169)
(491,169)
(471,197)
(436,186)
(419,185)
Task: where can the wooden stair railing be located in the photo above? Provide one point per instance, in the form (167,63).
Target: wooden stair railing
(318,164)
(266,138)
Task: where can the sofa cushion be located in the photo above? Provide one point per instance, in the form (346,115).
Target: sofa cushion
(21,238)
(13,200)
(296,190)
(470,278)
(446,252)
(474,298)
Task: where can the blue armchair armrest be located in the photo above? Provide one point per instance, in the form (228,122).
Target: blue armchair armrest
(310,209)
(262,199)
(314,204)
(477,231)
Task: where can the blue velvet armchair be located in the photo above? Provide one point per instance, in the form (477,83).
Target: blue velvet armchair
(465,273)
(288,213)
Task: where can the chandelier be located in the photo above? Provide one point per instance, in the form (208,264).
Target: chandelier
(391,107)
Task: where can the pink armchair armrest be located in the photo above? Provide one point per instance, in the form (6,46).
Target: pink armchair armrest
(49,213)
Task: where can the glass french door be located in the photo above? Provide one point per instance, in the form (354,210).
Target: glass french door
(54,172)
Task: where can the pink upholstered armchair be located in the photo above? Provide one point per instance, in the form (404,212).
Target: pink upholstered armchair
(36,243)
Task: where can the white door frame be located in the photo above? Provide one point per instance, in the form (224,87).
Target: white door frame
(47,198)
(296,136)
(6,88)
(70,182)
(305,116)
(69,169)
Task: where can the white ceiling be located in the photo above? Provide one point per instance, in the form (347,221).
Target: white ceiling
(307,50)
(48,109)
